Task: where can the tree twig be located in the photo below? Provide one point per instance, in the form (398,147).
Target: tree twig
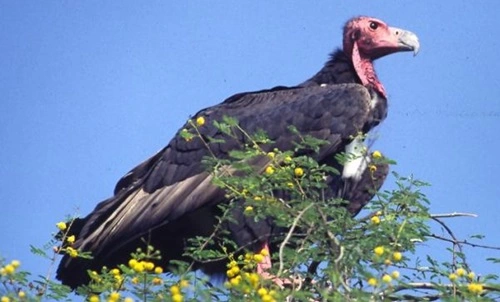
(289,235)
(454,214)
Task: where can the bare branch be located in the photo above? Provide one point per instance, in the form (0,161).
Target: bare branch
(288,235)
(454,214)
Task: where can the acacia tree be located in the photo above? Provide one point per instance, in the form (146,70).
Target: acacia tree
(323,252)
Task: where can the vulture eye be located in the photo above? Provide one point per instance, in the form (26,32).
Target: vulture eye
(373,25)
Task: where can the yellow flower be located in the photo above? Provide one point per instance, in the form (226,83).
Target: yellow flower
(267,298)
(200,121)
(395,274)
(257,198)
(271,154)
(288,159)
(158,270)
(15,263)
(9,269)
(253,278)
(61,226)
(174,290)
(379,250)
(71,252)
(376,154)
(135,280)
(269,170)
(157,281)
(475,288)
(452,277)
(386,278)
(177,298)
(387,262)
(114,296)
(128,299)
(298,172)
(264,252)
(184,283)
(94,298)
(118,279)
(115,271)
(471,275)
(138,267)
(233,271)
(21,294)
(375,220)
(258,258)
(71,239)
(373,168)
(397,256)
(235,281)
(372,281)
(132,263)
(460,272)
(149,266)
(5,299)
(248,210)
(262,291)
(290,184)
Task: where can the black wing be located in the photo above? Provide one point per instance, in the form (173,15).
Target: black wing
(173,182)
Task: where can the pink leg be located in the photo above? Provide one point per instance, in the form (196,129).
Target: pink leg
(265,265)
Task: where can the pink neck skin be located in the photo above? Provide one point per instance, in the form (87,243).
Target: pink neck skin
(366,72)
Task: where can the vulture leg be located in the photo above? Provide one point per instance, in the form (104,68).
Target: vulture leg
(265,265)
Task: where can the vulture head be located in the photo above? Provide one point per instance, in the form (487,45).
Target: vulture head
(367,39)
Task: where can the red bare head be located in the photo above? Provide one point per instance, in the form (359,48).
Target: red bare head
(367,39)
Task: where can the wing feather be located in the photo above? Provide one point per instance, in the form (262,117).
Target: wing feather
(173,182)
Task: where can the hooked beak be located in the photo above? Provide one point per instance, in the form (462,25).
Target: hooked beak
(406,40)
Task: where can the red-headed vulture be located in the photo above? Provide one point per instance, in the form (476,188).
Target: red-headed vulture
(170,197)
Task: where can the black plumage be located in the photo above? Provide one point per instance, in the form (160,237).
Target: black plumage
(170,198)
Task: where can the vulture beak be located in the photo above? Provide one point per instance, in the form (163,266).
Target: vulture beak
(406,40)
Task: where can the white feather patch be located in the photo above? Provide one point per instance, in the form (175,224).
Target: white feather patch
(357,159)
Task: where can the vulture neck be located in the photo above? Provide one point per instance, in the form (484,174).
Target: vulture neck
(366,73)
(342,69)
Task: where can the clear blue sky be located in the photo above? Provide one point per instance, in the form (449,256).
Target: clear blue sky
(89,89)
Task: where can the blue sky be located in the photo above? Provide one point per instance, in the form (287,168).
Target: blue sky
(90,89)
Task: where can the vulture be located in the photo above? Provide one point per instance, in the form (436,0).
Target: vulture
(170,197)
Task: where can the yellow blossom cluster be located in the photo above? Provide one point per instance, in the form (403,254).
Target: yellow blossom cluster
(9,269)
(376,154)
(73,253)
(71,239)
(117,276)
(266,295)
(248,210)
(144,266)
(461,273)
(244,277)
(269,170)
(379,251)
(175,290)
(473,287)
(114,297)
(386,278)
(200,121)
(375,219)
(61,226)
(298,172)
